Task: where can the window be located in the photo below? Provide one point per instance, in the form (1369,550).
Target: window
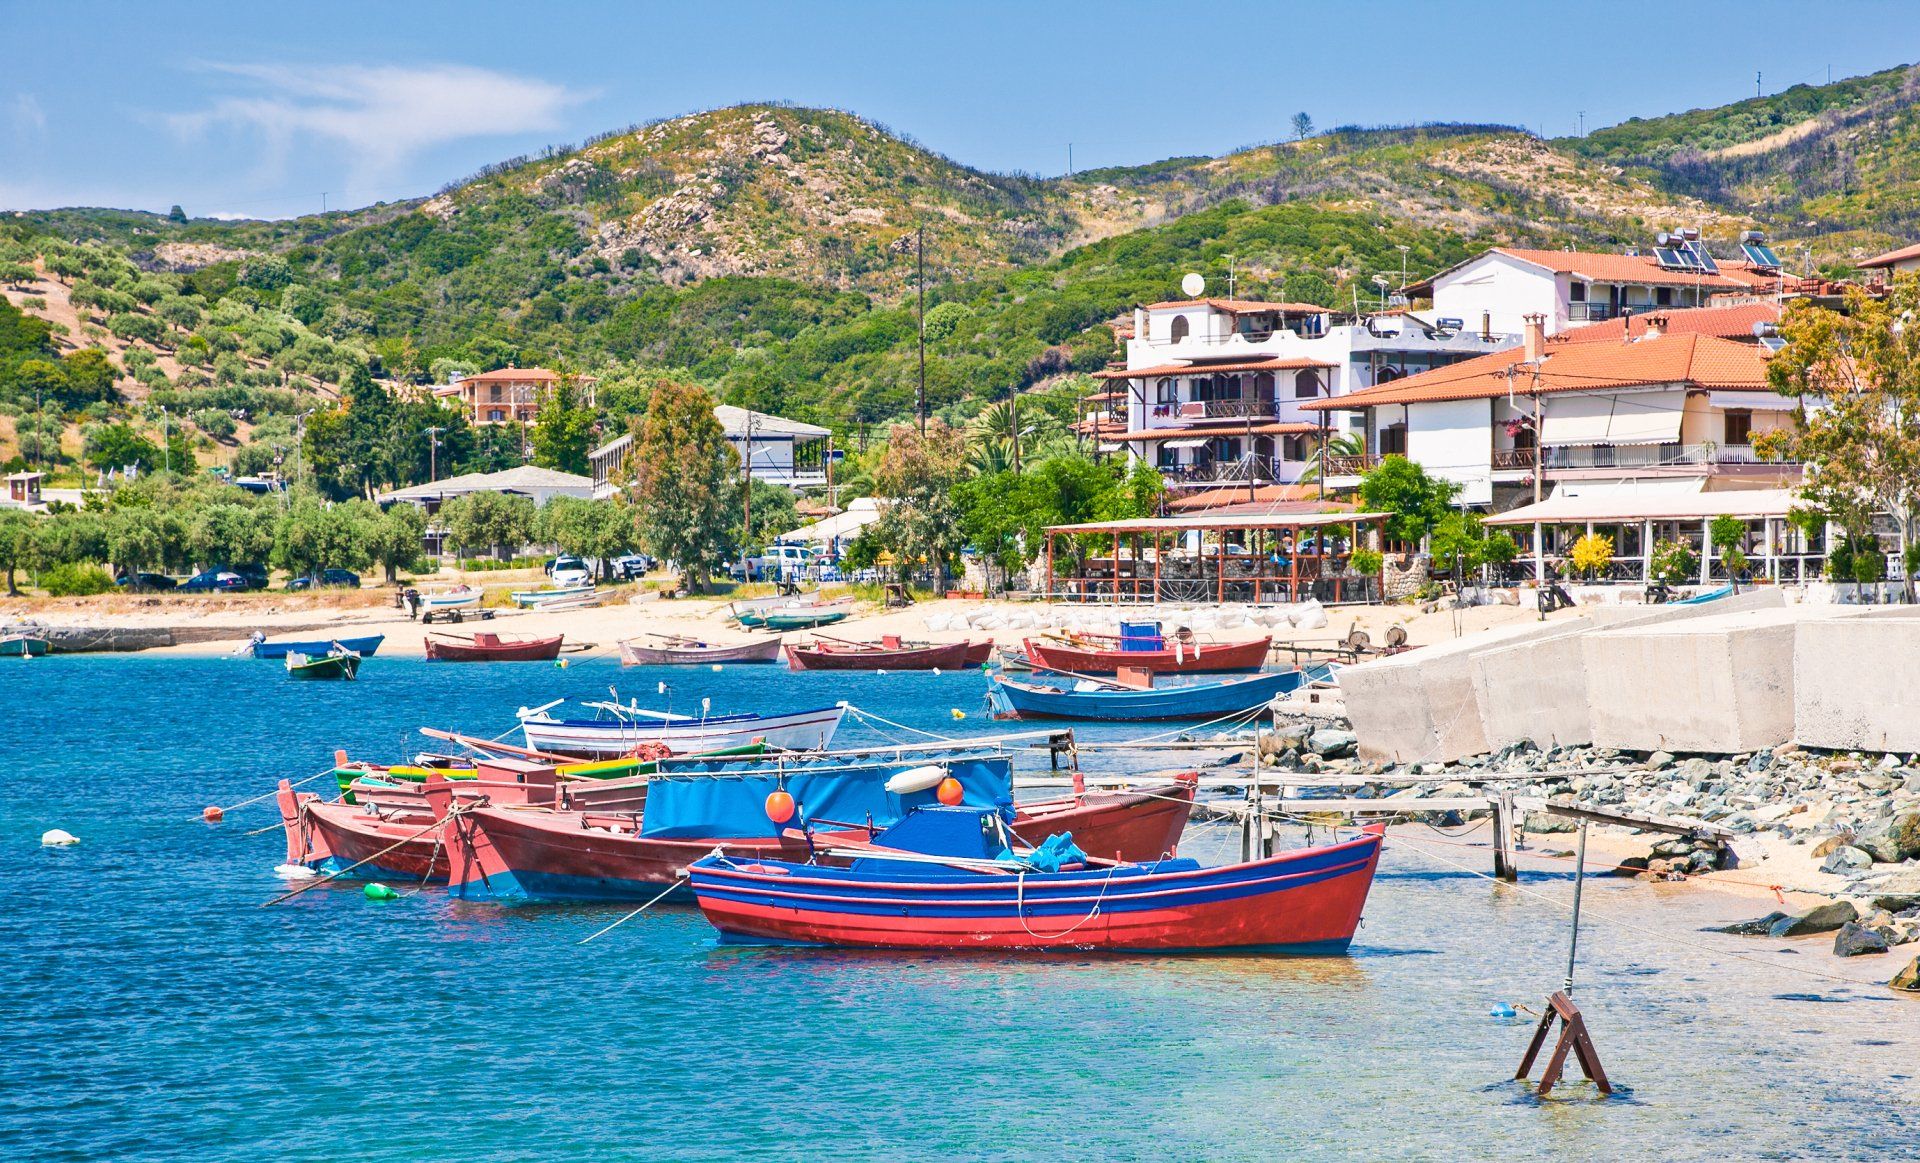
(1577,293)
(1663,296)
(1166,457)
(1293,447)
(1178,330)
(1739,426)
(1393,439)
(1263,386)
(1165,393)
(1306,385)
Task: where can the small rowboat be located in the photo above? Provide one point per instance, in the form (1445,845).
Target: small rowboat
(23,646)
(624,727)
(754,614)
(338,663)
(1097,654)
(802,620)
(948,878)
(676,651)
(492,648)
(540,598)
(1088,699)
(888,654)
(457,598)
(364,647)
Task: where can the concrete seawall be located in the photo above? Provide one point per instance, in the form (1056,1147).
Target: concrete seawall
(1857,680)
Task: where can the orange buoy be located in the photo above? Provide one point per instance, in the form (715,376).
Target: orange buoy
(779,806)
(212,815)
(949,792)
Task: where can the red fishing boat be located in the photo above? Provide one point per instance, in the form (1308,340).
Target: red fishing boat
(493,648)
(1101,654)
(890,653)
(517,854)
(947,878)
(979,653)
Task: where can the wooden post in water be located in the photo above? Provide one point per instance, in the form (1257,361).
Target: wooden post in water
(1573,1026)
(1503,865)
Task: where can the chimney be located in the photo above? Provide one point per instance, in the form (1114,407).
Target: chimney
(1655,325)
(1486,327)
(1535,330)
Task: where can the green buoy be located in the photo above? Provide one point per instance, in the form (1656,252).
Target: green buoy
(379,892)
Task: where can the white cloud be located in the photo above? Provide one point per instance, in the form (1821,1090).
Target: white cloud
(26,115)
(380,115)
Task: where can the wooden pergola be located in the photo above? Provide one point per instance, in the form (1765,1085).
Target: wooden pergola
(1253,557)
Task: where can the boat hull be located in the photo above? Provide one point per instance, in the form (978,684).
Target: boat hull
(1200,658)
(492,648)
(602,738)
(340,666)
(1196,702)
(800,621)
(565,856)
(331,838)
(1307,901)
(634,654)
(364,647)
(827,657)
(533,599)
(23,647)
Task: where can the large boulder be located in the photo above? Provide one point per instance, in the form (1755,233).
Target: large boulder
(1758,927)
(1853,940)
(1332,743)
(1822,918)
(1891,839)
(1908,979)
(1844,859)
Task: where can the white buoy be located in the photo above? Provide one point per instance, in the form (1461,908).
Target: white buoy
(915,779)
(716,668)
(58,838)
(294,872)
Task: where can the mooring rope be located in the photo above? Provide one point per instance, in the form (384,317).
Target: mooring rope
(313,884)
(268,795)
(682,879)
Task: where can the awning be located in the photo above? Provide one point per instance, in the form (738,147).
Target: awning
(1615,418)
(1189,443)
(1562,509)
(1754,401)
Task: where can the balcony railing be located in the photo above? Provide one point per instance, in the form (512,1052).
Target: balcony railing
(1214,409)
(1346,466)
(1515,458)
(1261,468)
(1648,455)
(1590,312)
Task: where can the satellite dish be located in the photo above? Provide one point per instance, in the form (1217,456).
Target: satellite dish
(1193,284)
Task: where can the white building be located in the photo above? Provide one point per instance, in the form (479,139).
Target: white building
(1496,290)
(780,451)
(541,484)
(1676,412)
(1213,389)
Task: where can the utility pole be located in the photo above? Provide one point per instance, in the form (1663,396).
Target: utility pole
(323,201)
(1756,84)
(433,454)
(166,444)
(1070,144)
(920,261)
(1583,123)
(746,492)
(1013,422)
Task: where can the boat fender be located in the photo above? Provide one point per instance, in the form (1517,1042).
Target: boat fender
(379,892)
(915,779)
(716,668)
(294,872)
(58,838)
(957,714)
(780,805)
(1500,1010)
(950,792)
(212,814)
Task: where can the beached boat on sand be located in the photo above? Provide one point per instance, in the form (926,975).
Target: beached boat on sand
(622,727)
(674,650)
(949,878)
(1102,654)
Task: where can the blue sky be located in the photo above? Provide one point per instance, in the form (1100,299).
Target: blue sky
(258,109)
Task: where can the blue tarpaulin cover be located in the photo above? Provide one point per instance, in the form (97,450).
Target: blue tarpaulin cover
(1056,852)
(729,801)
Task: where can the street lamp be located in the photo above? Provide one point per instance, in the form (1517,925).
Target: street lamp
(1403,248)
(433,454)
(1382,282)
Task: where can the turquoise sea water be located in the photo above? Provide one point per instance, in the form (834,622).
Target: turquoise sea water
(154,1010)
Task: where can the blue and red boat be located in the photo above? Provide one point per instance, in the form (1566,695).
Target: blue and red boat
(1071,696)
(947,878)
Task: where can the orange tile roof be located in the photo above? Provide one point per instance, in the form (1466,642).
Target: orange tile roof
(1244,306)
(1246,365)
(1267,500)
(1699,361)
(1619,268)
(1224,426)
(1904,254)
(1732,322)
(513,375)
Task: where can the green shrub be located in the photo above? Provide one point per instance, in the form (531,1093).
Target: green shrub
(1366,562)
(75,580)
(1674,563)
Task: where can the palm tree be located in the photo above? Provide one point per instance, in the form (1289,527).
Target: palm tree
(1345,444)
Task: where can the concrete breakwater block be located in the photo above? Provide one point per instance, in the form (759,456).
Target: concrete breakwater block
(1420,706)
(1720,685)
(1855,678)
(1537,690)
(92,639)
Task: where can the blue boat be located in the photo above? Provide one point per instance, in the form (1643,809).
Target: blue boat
(1084,699)
(364,647)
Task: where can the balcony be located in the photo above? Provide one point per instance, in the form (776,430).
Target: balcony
(1591,312)
(1648,455)
(1261,468)
(1251,407)
(1351,466)
(1515,458)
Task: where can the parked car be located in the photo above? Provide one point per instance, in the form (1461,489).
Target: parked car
(149,581)
(255,575)
(327,579)
(222,581)
(633,566)
(569,571)
(778,563)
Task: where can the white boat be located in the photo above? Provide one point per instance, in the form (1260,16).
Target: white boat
(621,727)
(544,599)
(457,598)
